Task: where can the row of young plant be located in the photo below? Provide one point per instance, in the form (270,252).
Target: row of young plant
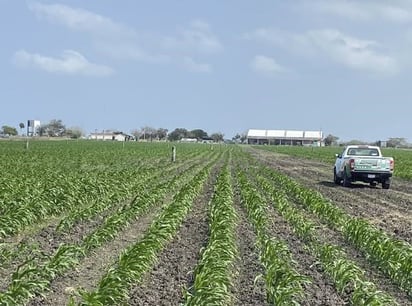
(93,200)
(143,179)
(214,272)
(346,275)
(113,288)
(31,279)
(388,254)
(68,192)
(102,201)
(55,177)
(102,196)
(284,284)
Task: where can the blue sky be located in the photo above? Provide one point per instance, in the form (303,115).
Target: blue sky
(222,66)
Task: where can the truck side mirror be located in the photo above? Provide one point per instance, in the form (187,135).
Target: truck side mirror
(338,155)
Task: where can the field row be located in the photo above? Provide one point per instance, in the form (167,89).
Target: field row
(217,227)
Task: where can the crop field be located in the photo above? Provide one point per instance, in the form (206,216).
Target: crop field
(111,223)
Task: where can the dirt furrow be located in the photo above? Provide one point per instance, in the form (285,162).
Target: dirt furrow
(92,267)
(322,290)
(391,211)
(248,267)
(166,283)
(309,264)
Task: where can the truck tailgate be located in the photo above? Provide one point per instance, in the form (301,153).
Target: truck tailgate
(372,164)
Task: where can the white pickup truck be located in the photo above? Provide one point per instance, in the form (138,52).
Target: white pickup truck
(363,163)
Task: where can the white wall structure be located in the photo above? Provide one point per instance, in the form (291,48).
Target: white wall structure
(33,127)
(285,137)
(109,135)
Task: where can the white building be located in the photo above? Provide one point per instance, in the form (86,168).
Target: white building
(285,137)
(33,127)
(110,135)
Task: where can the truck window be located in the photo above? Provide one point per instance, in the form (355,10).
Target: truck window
(373,152)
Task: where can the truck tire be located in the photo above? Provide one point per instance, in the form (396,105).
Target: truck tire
(372,184)
(386,183)
(336,179)
(346,181)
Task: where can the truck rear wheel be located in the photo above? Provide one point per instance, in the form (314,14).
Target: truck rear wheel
(336,179)
(386,184)
(346,181)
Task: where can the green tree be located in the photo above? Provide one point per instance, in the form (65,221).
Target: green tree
(217,137)
(178,134)
(21,125)
(198,134)
(236,138)
(9,130)
(136,133)
(74,132)
(148,133)
(331,140)
(161,133)
(396,142)
(55,128)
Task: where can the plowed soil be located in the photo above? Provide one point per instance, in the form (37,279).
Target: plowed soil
(390,210)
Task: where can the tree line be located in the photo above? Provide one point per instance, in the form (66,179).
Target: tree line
(56,128)
(393,142)
(149,133)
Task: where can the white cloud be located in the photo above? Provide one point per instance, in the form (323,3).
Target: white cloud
(266,65)
(80,19)
(130,51)
(191,65)
(352,52)
(71,63)
(395,11)
(198,37)
(124,43)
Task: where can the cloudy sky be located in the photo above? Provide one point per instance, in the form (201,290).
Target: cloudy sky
(223,66)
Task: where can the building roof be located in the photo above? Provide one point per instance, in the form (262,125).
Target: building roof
(284,134)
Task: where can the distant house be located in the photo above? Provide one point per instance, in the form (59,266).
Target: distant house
(111,135)
(188,140)
(207,140)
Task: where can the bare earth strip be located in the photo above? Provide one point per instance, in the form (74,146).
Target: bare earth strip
(382,282)
(92,268)
(246,291)
(46,240)
(389,210)
(173,273)
(322,290)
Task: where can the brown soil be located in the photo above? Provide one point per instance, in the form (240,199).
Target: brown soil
(248,267)
(387,209)
(92,268)
(173,273)
(167,281)
(390,210)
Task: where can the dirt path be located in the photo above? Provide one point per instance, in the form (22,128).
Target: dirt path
(93,266)
(248,267)
(173,274)
(390,210)
(322,290)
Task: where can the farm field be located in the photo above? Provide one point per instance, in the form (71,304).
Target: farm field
(110,223)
